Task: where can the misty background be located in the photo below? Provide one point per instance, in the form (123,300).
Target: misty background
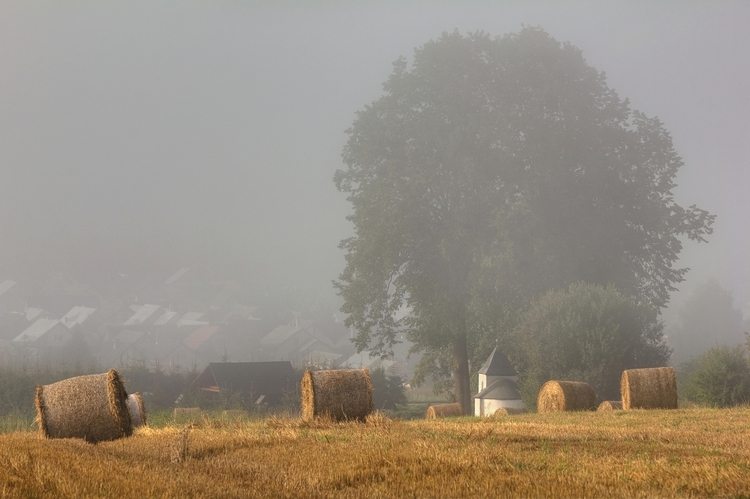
(146,137)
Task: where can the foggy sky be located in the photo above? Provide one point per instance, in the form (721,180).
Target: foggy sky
(156,135)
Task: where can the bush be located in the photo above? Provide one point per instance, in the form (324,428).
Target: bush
(387,390)
(720,377)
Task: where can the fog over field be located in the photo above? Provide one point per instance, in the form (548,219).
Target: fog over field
(150,136)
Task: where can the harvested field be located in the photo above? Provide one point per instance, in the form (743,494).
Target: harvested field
(655,453)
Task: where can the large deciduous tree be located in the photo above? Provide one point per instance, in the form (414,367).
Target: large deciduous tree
(503,166)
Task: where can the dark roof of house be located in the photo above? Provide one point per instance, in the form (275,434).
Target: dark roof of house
(500,389)
(258,378)
(497,364)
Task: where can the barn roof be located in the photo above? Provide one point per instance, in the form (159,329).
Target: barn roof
(141,315)
(37,330)
(259,378)
(500,389)
(200,336)
(77,315)
(497,364)
(6,285)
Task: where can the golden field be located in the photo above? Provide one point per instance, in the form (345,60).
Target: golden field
(677,453)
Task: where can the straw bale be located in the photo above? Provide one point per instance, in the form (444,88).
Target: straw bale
(610,405)
(509,411)
(137,410)
(92,407)
(339,394)
(652,388)
(566,396)
(444,411)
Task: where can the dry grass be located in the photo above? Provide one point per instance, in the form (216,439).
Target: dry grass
(653,388)
(183,414)
(509,411)
(566,396)
(234,414)
(340,394)
(675,453)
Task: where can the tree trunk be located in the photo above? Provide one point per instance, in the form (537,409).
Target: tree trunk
(461,373)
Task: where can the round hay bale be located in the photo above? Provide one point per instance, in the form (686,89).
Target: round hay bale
(508,411)
(652,388)
(610,405)
(339,394)
(444,411)
(92,407)
(137,410)
(566,396)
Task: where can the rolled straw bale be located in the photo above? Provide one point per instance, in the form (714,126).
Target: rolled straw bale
(137,410)
(444,411)
(186,412)
(340,394)
(652,388)
(610,405)
(566,396)
(508,411)
(92,407)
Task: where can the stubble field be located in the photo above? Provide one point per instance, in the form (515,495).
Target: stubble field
(679,453)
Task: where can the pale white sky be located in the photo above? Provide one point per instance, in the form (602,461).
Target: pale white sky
(164,132)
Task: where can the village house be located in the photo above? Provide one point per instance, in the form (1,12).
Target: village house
(284,342)
(44,333)
(264,382)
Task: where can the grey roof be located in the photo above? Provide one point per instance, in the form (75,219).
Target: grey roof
(6,285)
(500,389)
(37,330)
(280,335)
(141,315)
(497,364)
(77,315)
(167,316)
(173,278)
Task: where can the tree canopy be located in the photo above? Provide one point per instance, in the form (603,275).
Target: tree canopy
(586,333)
(499,168)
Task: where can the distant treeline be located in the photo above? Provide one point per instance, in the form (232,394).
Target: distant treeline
(161,389)
(18,384)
